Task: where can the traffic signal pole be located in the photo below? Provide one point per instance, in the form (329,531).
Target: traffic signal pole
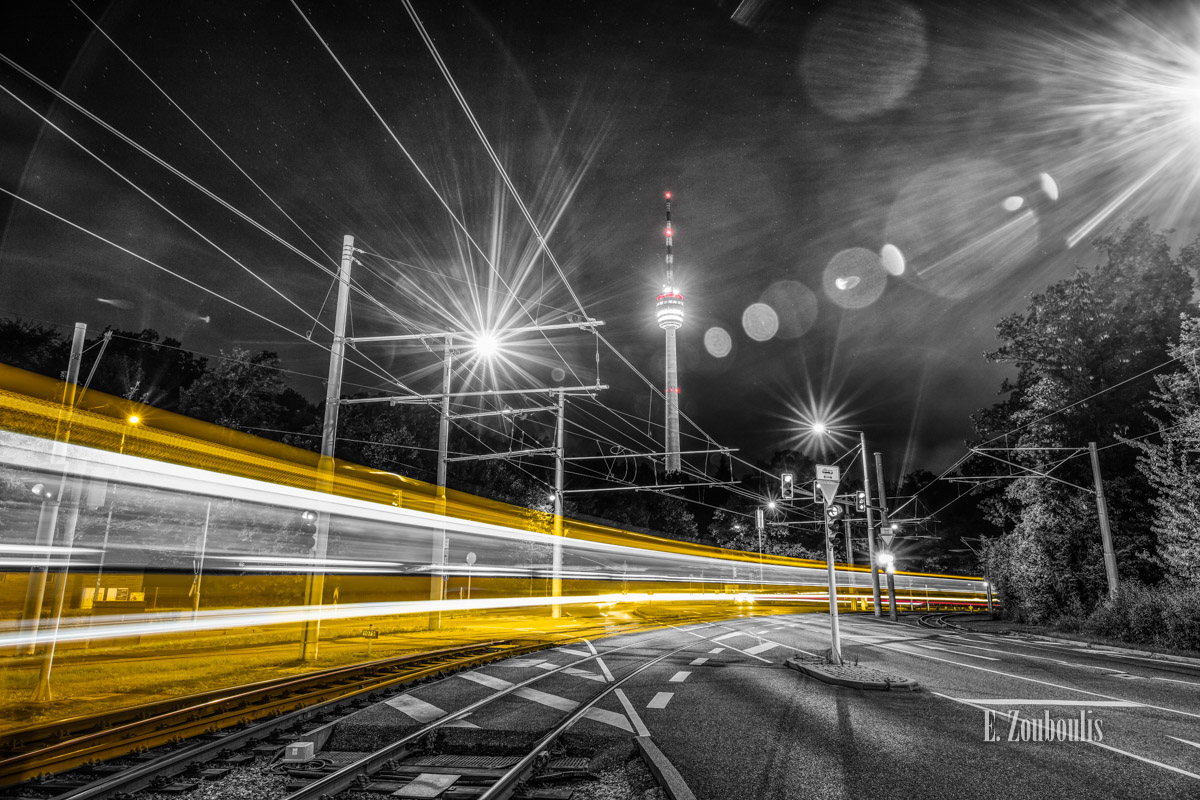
(883,522)
(871,563)
(835,649)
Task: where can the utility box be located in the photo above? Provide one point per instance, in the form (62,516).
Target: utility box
(300,751)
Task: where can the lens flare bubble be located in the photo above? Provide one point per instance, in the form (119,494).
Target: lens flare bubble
(760,322)
(558,374)
(1013,203)
(717,342)
(1049,185)
(957,239)
(855,278)
(795,305)
(892,259)
(863,58)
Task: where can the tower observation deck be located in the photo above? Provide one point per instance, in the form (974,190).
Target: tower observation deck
(668,307)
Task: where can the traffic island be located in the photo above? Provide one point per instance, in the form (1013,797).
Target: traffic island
(851,676)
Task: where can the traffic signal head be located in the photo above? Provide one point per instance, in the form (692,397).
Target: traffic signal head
(787,484)
(860,500)
(308,528)
(817,496)
(833,512)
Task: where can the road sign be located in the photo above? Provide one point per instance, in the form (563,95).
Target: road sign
(828,478)
(888,534)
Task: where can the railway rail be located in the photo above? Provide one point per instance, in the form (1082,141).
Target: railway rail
(197,728)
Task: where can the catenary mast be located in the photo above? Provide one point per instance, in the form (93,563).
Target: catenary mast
(669,309)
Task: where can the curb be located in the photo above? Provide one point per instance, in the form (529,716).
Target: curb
(1113,648)
(668,777)
(870,679)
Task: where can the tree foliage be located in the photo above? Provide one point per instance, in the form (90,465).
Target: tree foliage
(1082,351)
(1172,464)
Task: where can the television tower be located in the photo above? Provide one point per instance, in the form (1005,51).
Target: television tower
(668,307)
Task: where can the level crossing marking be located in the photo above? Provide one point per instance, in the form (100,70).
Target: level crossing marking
(679,677)
(520,662)
(547,665)
(551,700)
(583,673)
(697,662)
(762,648)
(572,651)
(415,707)
(717,650)
(660,700)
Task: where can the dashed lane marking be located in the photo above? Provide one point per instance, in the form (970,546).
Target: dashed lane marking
(547,665)
(415,707)
(679,677)
(717,650)
(660,700)
(483,679)
(724,636)
(761,648)
(697,662)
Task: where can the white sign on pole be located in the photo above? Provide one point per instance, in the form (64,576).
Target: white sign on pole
(828,478)
(888,534)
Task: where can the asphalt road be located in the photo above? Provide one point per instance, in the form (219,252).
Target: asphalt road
(737,724)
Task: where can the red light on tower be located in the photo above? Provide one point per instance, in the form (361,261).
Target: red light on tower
(668,195)
(669,232)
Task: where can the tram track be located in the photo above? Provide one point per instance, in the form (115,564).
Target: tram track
(173,734)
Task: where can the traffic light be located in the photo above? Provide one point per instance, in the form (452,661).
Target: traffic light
(787,484)
(833,512)
(860,500)
(817,496)
(308,528)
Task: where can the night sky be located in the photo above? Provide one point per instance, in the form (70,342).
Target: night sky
(814,151)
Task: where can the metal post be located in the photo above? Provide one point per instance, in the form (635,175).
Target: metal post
(759,524)
(872,566)
(559,453)
(441,542)
(883,523)
(987,588)
(1110,557)
(200,562)
(314,583)
(849,544)
(835,637)
(35,591)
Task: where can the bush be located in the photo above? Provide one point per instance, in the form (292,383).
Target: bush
(1162,616)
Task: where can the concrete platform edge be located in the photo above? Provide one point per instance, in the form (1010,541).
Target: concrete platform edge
(664,771)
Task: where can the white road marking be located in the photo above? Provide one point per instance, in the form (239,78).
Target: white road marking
(609,718)
(679,677)
(571,651)
(547,665)
(726,636)
(460,723)
(415,707)
(698,661)
(546,699)
(634,717)
(583,673)
(1032,680)
(485,680)
(717,650)
(1185,741)
(599,661)
(730,647)
(955,652)
(660,700)
(762,648)
(1031,702)
(1102,745)
(519,662)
